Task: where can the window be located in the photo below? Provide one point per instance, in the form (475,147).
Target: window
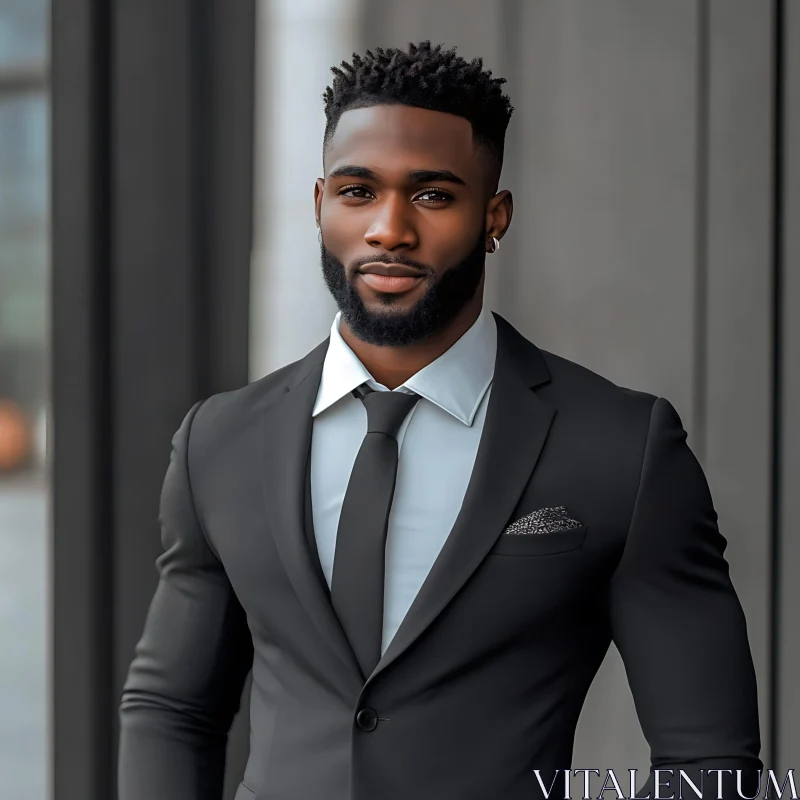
(24,293)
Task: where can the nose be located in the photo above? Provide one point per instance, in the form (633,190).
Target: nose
(391,227)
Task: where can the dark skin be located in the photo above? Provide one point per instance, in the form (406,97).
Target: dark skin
(383,208)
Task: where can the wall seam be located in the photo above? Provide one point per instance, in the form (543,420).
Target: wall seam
(700,376)
(777,378)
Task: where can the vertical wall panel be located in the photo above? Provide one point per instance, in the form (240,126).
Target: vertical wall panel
(789,478)
(738,347)
(606,218)
(79,425)
(606,232)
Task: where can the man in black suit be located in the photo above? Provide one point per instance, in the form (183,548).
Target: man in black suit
(426,586)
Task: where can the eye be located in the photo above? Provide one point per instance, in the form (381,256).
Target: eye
(357,191)
(434,196)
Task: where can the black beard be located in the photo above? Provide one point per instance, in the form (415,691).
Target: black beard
(439,306)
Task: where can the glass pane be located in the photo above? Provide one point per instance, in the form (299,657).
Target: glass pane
(23,31)
(23,240)
(24,286)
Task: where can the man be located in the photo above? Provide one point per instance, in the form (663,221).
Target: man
(426,586)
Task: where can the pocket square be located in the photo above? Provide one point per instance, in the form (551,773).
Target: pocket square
(543,520)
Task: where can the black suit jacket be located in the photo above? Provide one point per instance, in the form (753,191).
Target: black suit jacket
(486,676)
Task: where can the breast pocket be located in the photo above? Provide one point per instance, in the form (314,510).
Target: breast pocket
(539,544)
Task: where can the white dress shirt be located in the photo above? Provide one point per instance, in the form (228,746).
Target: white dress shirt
(437,444)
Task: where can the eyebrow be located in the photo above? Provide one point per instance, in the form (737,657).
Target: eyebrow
(417,176)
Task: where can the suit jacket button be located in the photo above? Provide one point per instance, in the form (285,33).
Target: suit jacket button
(367,719)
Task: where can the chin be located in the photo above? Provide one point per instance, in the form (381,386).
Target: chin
(389,304)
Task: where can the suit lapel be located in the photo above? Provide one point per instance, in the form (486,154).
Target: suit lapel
(287,440)
(515,429)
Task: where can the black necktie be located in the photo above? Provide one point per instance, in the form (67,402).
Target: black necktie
(358,561)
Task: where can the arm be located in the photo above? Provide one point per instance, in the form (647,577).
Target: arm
(184,685)
(680,628)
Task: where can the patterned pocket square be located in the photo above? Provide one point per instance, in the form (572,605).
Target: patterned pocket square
(543,520)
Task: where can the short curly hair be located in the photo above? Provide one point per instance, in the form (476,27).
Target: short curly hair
(424,76)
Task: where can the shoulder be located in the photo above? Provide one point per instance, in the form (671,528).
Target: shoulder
(575,387)
(602,429)
(620,410)
(572,389)
(605,434)
(228,418)
(221,407)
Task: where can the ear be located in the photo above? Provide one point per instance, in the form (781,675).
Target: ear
(499,211)
(319,187)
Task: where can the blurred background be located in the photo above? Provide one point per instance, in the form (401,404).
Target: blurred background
(157,245)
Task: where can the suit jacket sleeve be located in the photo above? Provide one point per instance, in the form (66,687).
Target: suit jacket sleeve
(679,626)
(184,685)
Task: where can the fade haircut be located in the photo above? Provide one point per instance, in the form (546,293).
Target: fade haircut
(425,77)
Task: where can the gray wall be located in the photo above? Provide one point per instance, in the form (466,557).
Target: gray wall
(644,245)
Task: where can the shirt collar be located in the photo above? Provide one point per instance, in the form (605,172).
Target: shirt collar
(456,381)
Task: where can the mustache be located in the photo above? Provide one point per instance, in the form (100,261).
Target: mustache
(385,258)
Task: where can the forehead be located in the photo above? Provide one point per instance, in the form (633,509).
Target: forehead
(390,136)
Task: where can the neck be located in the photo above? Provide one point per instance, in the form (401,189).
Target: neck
(393,366)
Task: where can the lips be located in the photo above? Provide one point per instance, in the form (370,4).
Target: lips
(393,270)
(392,278)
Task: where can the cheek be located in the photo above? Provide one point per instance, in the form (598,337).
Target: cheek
(343,227)
(450,235)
